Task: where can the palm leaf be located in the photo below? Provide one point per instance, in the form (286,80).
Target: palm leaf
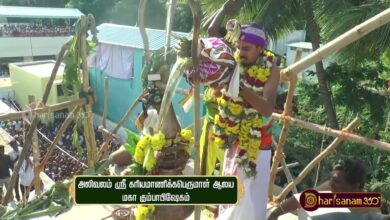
(372,45)
(278,17)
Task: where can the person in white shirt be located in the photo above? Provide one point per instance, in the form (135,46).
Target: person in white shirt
(144,123)
(26,176)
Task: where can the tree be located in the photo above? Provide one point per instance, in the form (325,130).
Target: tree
(126,12)
(100,9)
(353,12)
(182,20)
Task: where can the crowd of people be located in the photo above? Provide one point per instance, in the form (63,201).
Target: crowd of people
(65,161)
(35,30)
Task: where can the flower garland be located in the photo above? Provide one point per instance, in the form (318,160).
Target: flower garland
(148,145)
(144,212)
(238,121)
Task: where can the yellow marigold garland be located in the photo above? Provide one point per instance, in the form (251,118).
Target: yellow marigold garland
(148,145)
(144,212)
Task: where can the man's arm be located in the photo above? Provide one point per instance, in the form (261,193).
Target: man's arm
(288,205)
(231,7)
(264,104)
(291,204)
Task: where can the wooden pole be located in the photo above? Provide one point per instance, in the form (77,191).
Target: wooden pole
(278,156)
(170,13)
(42,110)
(141,20)
(36,152)
(195,61)
(180,91)
(107,132)
(33,126)
(120,123)
(288,166)
(285,168)
(105,101)
(317,160)
(89,132)
(340,42)
(334,133)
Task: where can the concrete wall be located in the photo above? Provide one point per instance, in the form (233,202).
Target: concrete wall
(122,94)
(281,45)
(30,46)
(25,84)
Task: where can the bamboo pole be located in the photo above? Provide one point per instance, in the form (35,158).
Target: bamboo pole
(285,168)
(105,101)
(317,160)
(42,110)
(141,20)
(120,123)
(89,132)
(278,156)
(288,166)
(334,133)
(36,153)
(33,125)
(195,61)
(340,42)
(180,91)
(170,13)
(107,132)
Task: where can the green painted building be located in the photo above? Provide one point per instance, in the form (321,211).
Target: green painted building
(29,80)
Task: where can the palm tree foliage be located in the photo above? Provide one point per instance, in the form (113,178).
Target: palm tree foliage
(336,17)
(278,17)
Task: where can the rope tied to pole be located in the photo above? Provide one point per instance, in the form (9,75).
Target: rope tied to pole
(284,118)
(326,131)
(279,155)
(344,134)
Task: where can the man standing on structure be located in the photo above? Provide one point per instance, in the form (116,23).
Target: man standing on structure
(244,124)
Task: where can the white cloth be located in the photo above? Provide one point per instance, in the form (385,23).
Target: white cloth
(253,204)
(115,61)
(26,172)
(234,84)
(150,121)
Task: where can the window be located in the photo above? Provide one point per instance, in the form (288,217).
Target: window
(60,91)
